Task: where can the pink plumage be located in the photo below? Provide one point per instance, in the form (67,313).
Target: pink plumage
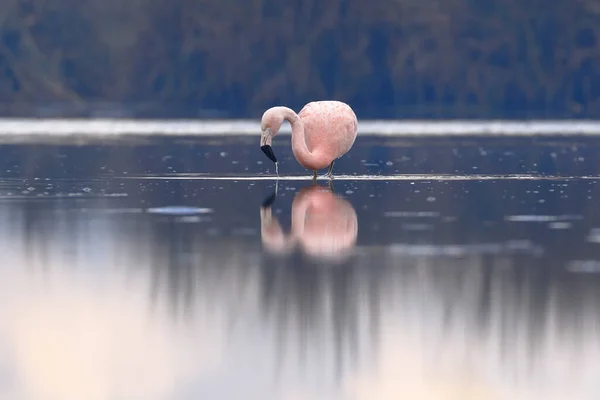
(322,132)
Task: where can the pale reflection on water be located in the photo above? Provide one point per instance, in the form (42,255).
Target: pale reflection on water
(138,306)
(324,225)
(77,322)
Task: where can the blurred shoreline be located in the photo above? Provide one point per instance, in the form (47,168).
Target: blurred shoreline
(104,127)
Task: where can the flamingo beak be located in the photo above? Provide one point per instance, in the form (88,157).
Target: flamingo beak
(265,145)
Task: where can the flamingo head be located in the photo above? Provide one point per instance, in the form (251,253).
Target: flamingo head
(270,124)
(266,139)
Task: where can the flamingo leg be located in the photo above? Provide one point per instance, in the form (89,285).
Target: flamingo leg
(314,176)
(329,174)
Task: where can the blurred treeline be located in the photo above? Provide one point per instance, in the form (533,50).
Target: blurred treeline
(233,58)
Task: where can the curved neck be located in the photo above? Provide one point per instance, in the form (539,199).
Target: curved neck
(299,147)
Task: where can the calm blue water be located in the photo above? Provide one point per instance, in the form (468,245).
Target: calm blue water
(165,268)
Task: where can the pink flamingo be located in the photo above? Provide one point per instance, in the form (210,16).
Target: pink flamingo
(324,226)
(322,132)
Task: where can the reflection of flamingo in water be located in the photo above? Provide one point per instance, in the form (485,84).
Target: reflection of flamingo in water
(322,132)
(324,225)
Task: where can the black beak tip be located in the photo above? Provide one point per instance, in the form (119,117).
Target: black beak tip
(268,152)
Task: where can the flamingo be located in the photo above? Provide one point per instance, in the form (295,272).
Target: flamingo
(322,132)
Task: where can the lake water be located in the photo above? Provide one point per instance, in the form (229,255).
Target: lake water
(162,267)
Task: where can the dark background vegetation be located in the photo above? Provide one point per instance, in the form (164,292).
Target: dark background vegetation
(232,58)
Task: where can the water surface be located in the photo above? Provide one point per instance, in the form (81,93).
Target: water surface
(167,268)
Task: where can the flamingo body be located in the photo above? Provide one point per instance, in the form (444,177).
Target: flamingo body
(330,129)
